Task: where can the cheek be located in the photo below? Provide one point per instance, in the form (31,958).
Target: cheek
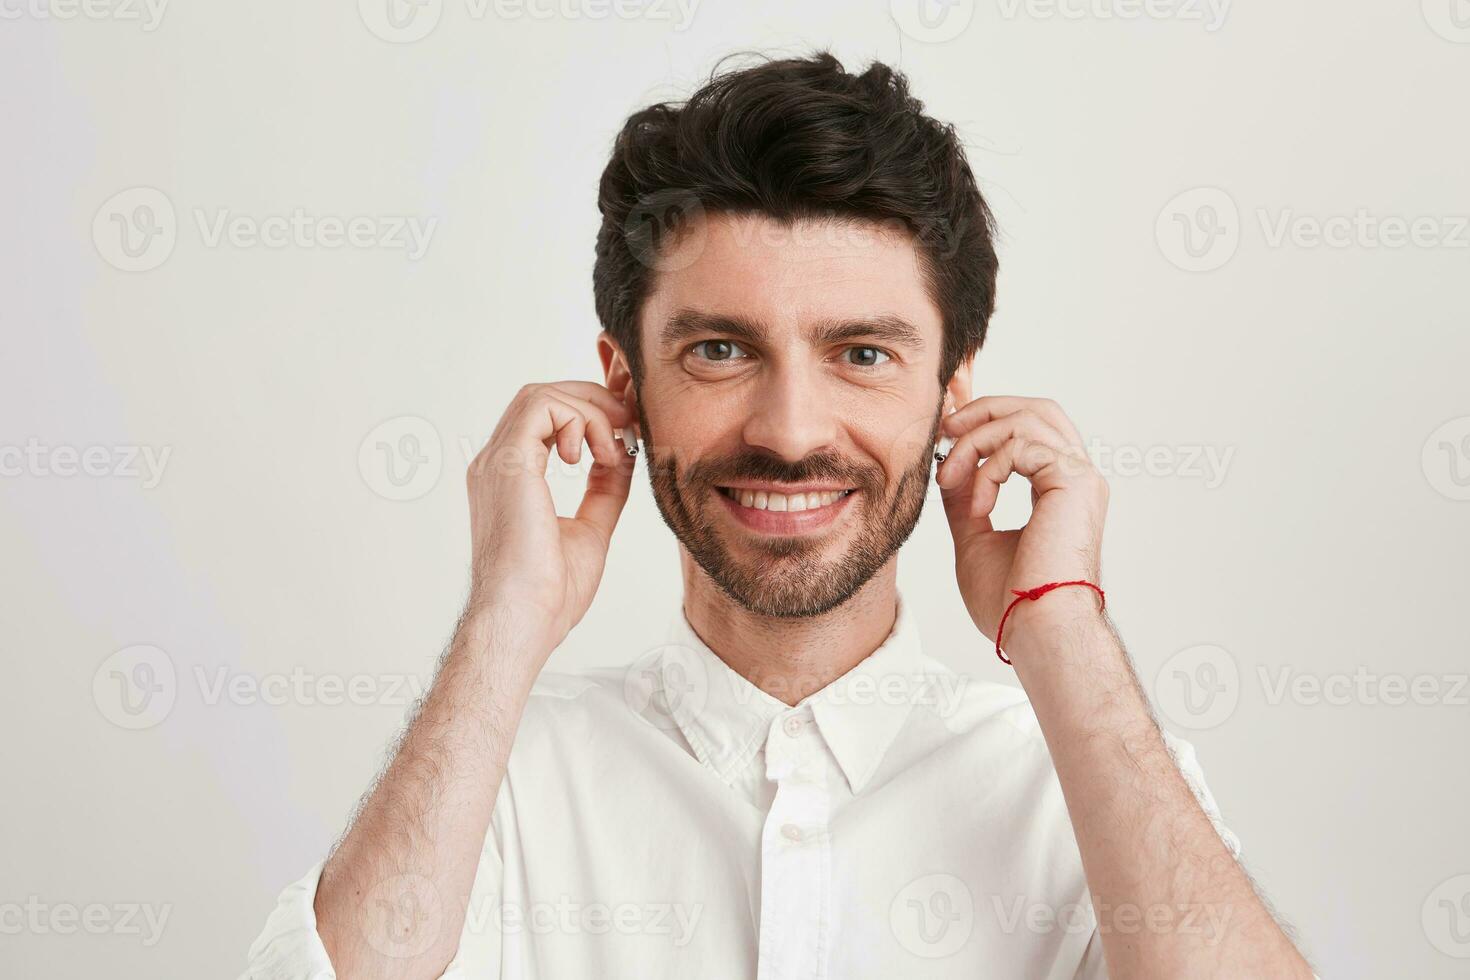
(895,439)
(690,430)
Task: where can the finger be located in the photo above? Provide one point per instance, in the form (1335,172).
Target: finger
(525,432)
(1042,463)
(958,508)
(522,441)
(607,492)
(570,425)
(590,391)
(989,407)
(598,430)
(973,445)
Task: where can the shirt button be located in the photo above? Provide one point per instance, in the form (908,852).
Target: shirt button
(791,832)
(792,726)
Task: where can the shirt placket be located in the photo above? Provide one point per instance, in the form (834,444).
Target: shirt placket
(796,854)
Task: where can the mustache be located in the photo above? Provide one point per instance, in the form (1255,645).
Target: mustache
(760,466)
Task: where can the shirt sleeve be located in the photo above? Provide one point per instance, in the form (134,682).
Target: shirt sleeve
(1184,757)
(1092,966)
(290,948)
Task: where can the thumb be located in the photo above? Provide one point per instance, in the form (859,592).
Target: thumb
(607,492)
(957,505)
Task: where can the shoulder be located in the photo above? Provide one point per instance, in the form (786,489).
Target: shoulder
(606,704)
(585,692)
(967,704)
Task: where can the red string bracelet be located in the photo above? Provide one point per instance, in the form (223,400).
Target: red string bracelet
(1033,594)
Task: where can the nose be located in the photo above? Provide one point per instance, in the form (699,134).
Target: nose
(791,416)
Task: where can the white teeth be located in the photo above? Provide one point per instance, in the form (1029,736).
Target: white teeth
(761,500)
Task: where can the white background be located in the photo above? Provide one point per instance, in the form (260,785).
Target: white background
(1330,545)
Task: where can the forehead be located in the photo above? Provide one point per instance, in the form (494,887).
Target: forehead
(785,274)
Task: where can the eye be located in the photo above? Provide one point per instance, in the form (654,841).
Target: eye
(717,350)
(866,356)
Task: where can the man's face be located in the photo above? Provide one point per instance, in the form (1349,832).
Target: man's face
(790,403)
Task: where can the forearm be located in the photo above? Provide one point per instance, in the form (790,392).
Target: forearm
(1170,898)
(392,897)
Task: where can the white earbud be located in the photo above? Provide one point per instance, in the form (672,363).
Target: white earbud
(945,444)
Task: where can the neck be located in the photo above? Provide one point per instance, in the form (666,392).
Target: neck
(791,658)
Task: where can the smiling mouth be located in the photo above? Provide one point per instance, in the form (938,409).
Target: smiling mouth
(787,502)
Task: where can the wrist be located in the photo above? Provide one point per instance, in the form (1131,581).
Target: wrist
(511,640)
(1061,616)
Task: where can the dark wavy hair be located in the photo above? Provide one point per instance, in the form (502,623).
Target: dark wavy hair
(791,139)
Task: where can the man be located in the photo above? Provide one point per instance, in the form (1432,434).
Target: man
(794,272)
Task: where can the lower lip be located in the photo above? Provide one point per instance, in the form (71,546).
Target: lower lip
(786,522)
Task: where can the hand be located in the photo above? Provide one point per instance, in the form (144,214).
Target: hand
(527,560)
(1069,500)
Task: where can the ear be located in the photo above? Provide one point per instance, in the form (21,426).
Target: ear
(617,375)
(957,393)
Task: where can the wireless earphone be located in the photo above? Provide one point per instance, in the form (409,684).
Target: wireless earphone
(945,444)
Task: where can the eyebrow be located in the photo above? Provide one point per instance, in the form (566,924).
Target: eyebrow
(885,328)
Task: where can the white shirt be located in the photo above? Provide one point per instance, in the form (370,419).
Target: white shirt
(670,819)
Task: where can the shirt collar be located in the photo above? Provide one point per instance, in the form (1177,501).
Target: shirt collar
(725,718)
